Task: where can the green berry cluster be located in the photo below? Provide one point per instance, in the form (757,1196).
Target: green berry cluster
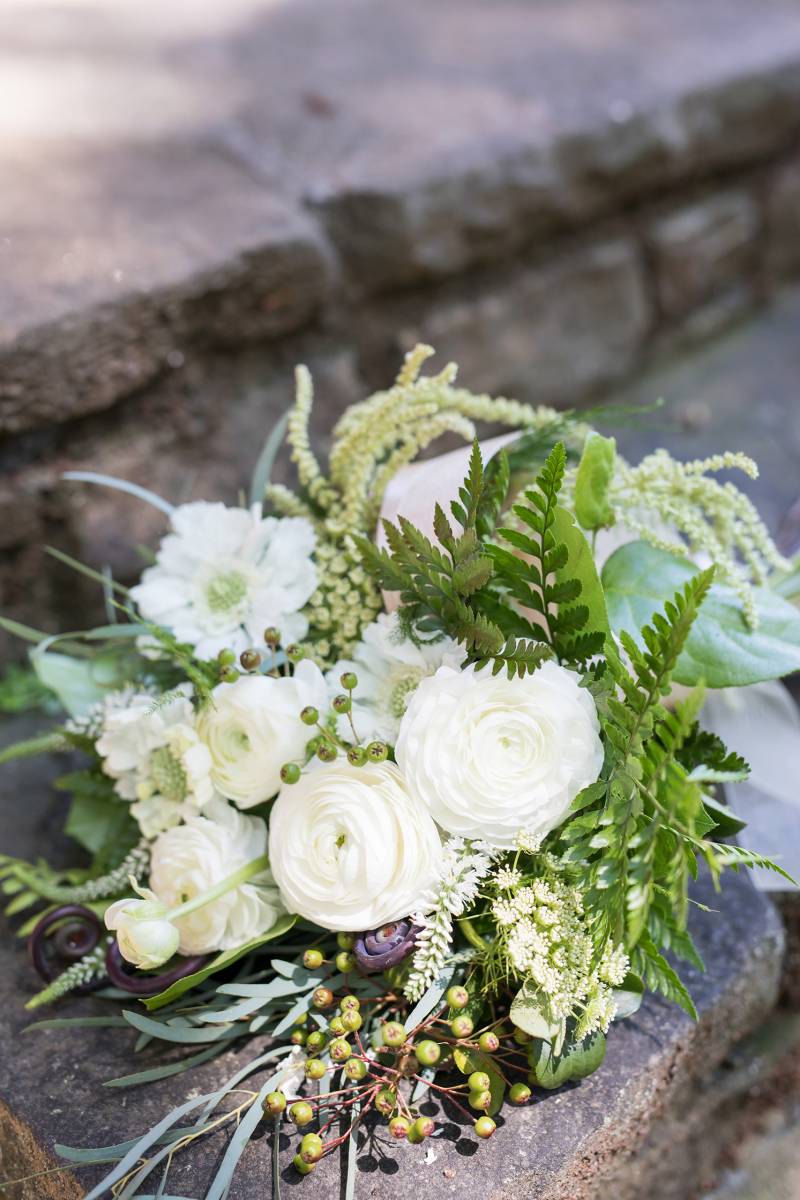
(326,745)
(374,1061)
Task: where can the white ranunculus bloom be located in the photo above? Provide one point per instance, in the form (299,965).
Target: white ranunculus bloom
(253,727)
(351,847)
(491,756)
(190,859)
(152,750)
(223,575)
(389,668)
(144,936)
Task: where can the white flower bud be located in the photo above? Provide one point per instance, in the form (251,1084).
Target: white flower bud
(144,936)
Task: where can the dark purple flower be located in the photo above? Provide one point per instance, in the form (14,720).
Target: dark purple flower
(381,948)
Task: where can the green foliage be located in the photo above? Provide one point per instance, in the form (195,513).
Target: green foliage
(444,588)
(98,819)
(545,582)
(722,649)
(593,482)
(575,1060)
(468,1060)
(708,760)
(21,691)
(659,976)
(621,832)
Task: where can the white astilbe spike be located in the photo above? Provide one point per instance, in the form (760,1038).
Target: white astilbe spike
(464,865)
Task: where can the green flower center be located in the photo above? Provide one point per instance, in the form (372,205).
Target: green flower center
(226,591)
(402,692)
(167,775)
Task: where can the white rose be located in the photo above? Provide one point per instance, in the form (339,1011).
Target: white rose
(144,936)
(491,756)
(253,727)
(389,668)
(351,848)
(190,859)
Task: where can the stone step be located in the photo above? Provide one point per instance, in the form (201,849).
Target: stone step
(550,195)
(222,178)
(632,1130)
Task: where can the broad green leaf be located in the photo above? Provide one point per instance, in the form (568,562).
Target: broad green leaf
(581,566)
(593,482)
(628,997)
(726,823)
(576,1061)
(721,649)
(526,1013)
(78,683)
(98,822)
(223,960)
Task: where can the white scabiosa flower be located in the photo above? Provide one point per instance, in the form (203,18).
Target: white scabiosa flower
(223,575)
(352,848)
(152,751)
(253,727)
(191,859)
(490,755)
(389,668)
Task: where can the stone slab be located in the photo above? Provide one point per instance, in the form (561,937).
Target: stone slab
(178,174)
(737,393)
(580,1143)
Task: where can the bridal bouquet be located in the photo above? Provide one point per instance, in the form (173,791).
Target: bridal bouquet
(412,815)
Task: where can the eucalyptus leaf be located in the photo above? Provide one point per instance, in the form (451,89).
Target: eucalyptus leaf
(78,683)
(428,1002)
(721,649)
(166,1070)
(266,459)
(219,963)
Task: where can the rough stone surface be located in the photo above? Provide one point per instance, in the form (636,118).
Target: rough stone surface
(544,332)
(738,393)
(170,181)
(703,249)
(580,1143)
(783,221)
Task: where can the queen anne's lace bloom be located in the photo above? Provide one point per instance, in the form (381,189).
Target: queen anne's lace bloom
(152,751)
(389,669)
(548,945)
(223,575)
